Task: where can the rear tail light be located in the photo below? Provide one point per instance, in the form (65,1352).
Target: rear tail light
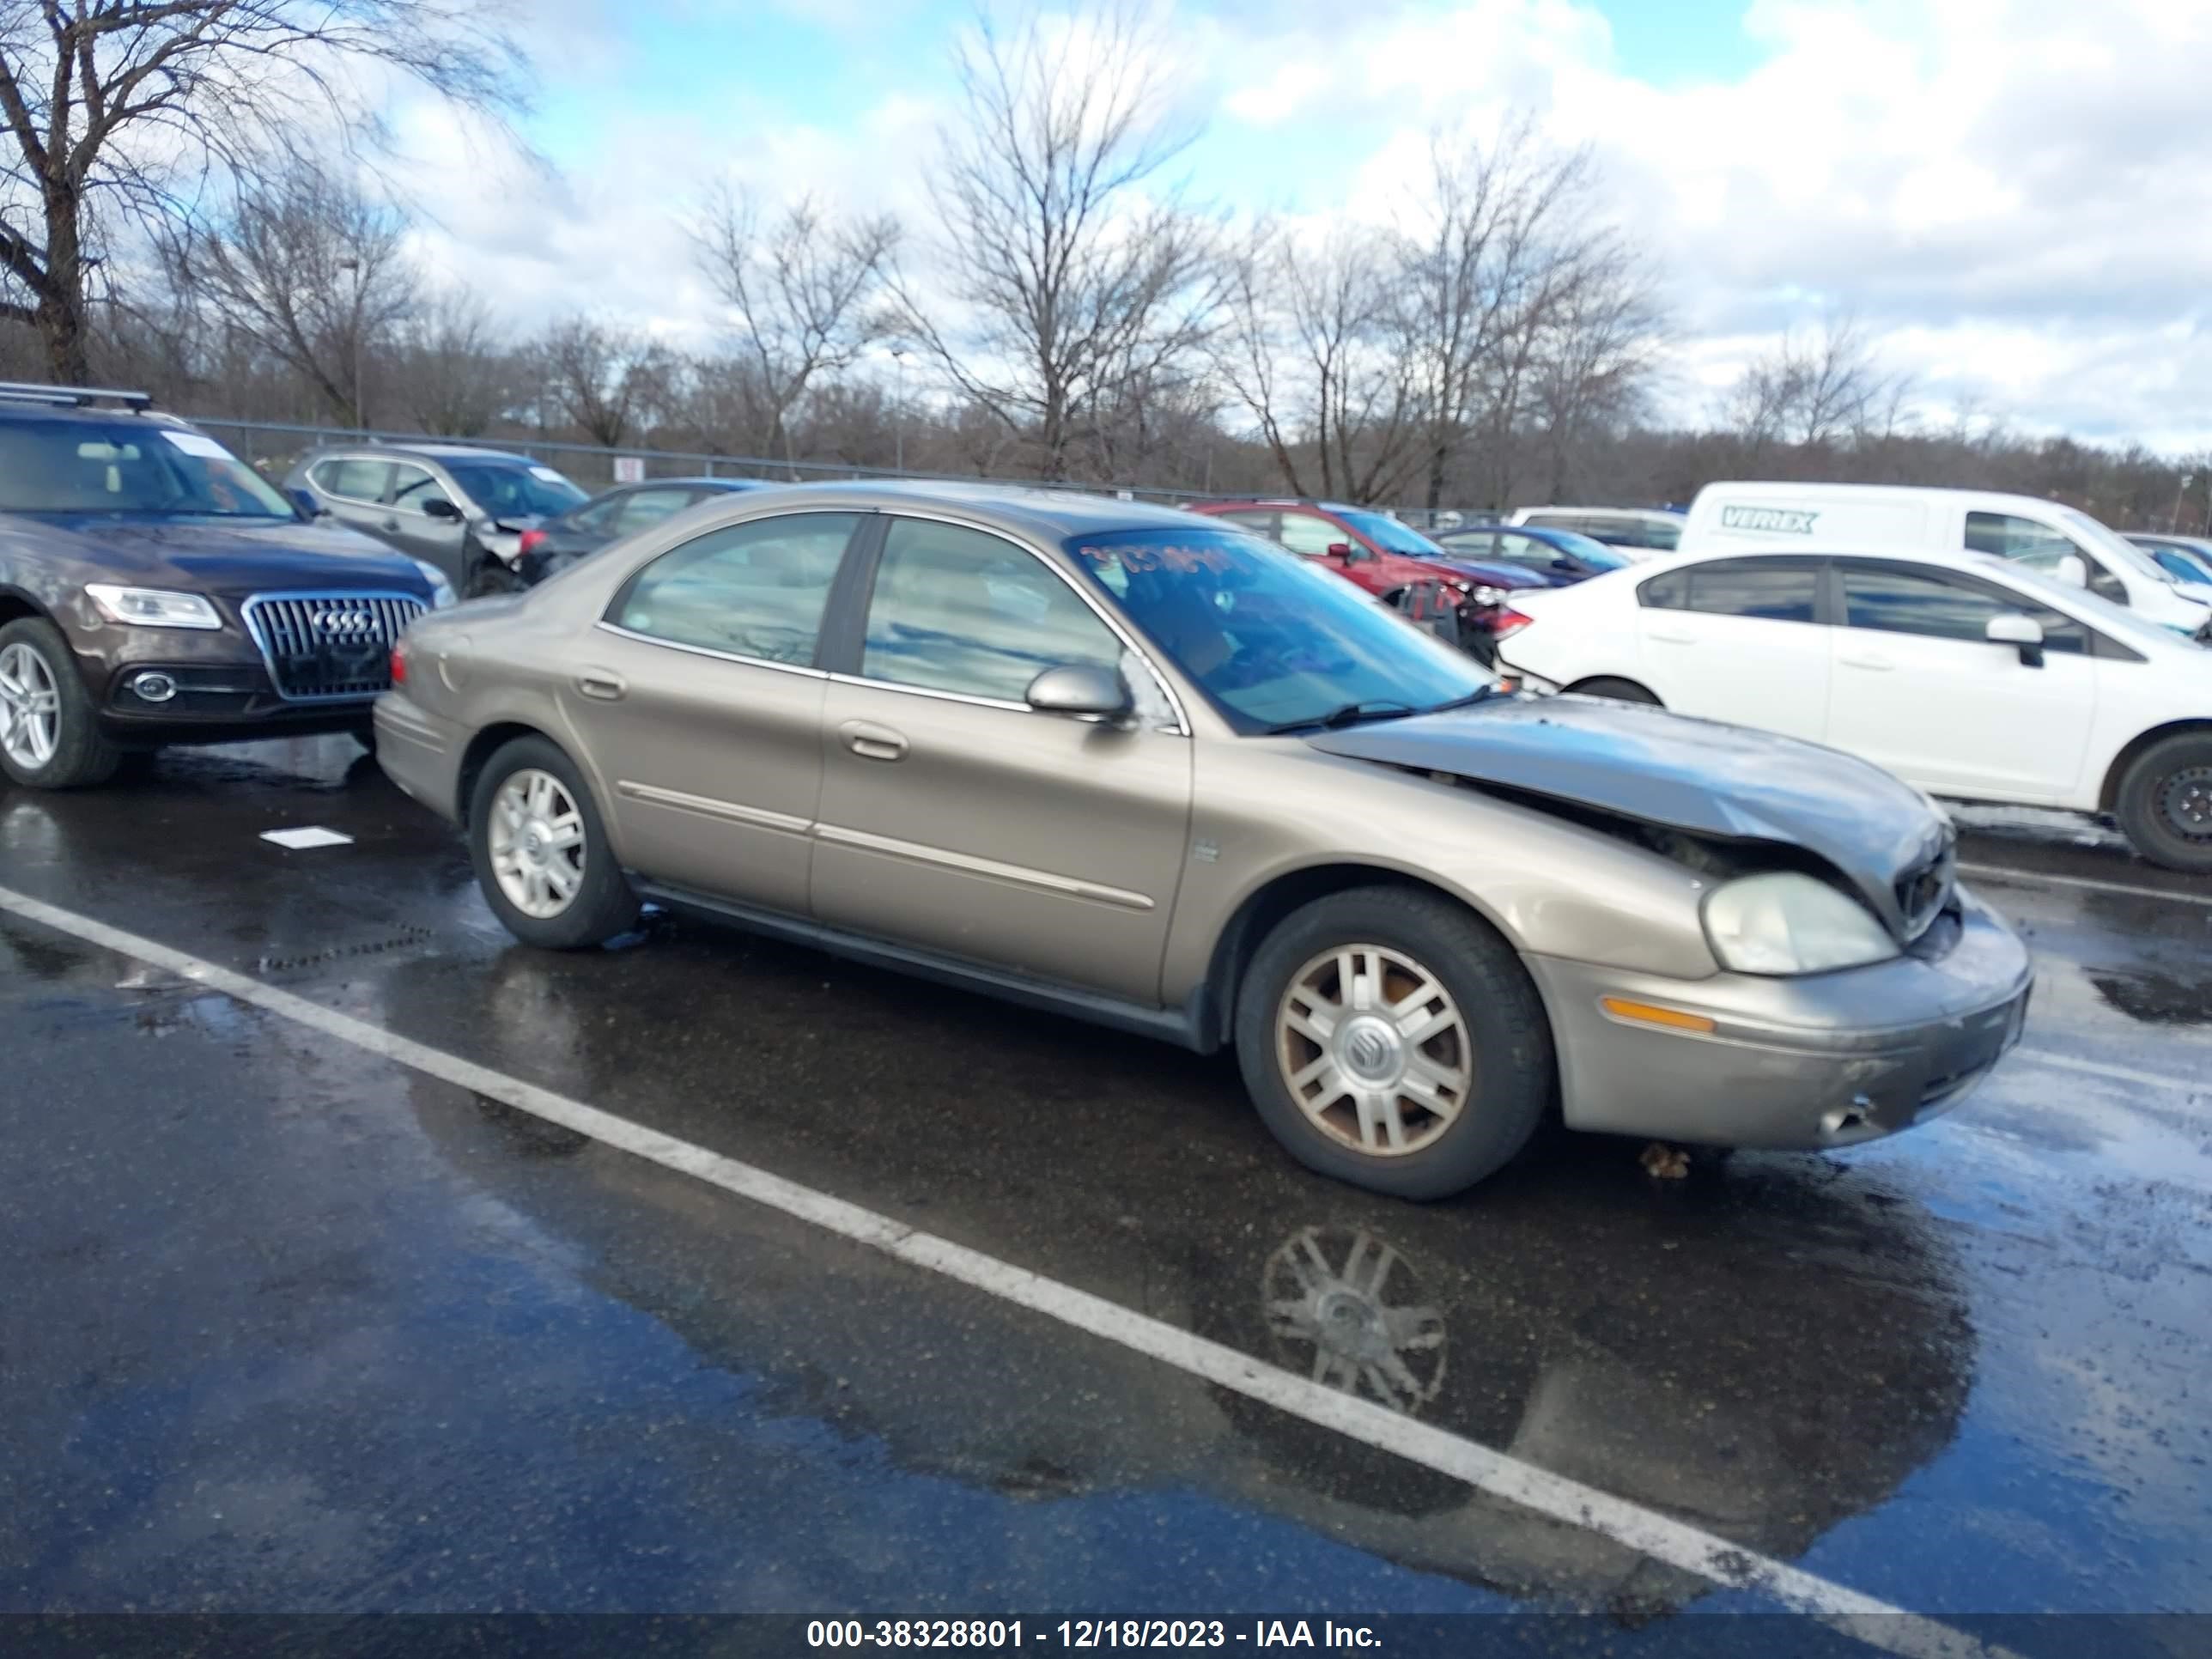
(1509,622)
(531,538)
(399,663)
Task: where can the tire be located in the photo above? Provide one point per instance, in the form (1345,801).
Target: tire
(2164,802)
(600,905)
(490,578)
(69,751)
(1619,691)
(1495,1059)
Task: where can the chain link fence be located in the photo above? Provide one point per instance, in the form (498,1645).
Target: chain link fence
(272,447)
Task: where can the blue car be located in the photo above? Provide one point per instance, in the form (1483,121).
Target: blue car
(2184,558)
(1558,558)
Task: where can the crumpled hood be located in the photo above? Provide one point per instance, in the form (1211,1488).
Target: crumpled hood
(1725,782)
(242,556)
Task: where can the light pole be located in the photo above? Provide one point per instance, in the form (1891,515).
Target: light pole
(2173,523)
(898,411)
(359,394)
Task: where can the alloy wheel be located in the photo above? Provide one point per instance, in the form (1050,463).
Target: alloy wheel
(1373,1049)
(536,838)
(30,708)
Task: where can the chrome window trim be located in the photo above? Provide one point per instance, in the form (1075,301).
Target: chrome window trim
(1050,560)
(708,651)
(863,681)
(1019,875)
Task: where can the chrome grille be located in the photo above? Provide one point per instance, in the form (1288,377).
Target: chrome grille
(320,647)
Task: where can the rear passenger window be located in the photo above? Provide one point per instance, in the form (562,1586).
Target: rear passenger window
(752,590)
(358,481)
(1770,591)
(1669,593)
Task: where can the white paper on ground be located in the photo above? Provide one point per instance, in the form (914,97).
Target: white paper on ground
(312,835)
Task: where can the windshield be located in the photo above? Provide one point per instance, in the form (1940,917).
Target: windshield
(122,467)
(1588,549)
(1270,640)
(506,490)
(1388,534)
(2115,546)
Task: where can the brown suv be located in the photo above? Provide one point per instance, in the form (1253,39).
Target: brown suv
(1130,764)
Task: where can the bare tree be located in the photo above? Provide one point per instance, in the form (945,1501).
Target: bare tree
(453,369)
(1496,245)
(603,376)
(1064,282)
(121,110)
(802,287)
(1815,391)
(310,268)
(1307,351)
(1597,351)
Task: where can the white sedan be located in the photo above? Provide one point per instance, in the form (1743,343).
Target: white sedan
(1966,675)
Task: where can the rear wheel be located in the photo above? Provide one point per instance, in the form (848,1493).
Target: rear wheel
(491,578)
(50,735)
(2165,804)
(1390,1038)
(1619,691)
(541,851)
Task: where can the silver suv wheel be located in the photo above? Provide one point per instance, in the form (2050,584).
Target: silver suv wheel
(30,708)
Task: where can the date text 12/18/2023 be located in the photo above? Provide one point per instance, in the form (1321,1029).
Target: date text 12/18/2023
(1079,1633)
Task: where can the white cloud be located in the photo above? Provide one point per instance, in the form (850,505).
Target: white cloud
(2013,193)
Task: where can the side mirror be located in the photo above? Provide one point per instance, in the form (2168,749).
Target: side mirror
(1081,690)
(1342,550)
(437,507)
(1565,567)
(2072,570)
(2025,632)
(304,498)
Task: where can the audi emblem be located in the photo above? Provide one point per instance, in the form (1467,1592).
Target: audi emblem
(343,622)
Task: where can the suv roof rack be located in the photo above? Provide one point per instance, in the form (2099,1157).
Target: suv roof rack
(74,397)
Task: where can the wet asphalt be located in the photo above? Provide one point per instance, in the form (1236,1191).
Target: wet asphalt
(287,1327)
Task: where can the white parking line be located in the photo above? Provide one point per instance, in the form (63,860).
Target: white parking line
(2029,878)
(1648,1533)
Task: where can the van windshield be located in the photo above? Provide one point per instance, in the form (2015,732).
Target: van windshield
(2115,547)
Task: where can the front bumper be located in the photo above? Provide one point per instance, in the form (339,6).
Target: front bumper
(1827,1059)
(212,700)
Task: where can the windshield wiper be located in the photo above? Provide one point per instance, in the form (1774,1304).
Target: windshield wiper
(1350,713)
(1480,694)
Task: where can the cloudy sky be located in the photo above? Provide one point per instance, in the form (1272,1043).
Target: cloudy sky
(2016,195)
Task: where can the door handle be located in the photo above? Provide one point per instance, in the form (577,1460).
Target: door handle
(873,742)
(1872,665)
(1673,639)
(599,683)
(391,524)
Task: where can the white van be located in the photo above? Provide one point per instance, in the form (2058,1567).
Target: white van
(2043,535)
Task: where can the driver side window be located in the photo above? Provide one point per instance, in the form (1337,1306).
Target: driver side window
(411,486)
(962,611)
(1310,537)
(2039,547)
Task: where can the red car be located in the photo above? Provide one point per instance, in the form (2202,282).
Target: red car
(1390,559)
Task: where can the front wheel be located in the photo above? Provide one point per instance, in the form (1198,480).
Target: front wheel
(541,851)
(50,735)
(2165,806)
(1390,1038)
(1619,691)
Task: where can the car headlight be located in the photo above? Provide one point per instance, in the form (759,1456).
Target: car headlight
(1787,922)
(1487,596)
(441,591)
(151,607)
